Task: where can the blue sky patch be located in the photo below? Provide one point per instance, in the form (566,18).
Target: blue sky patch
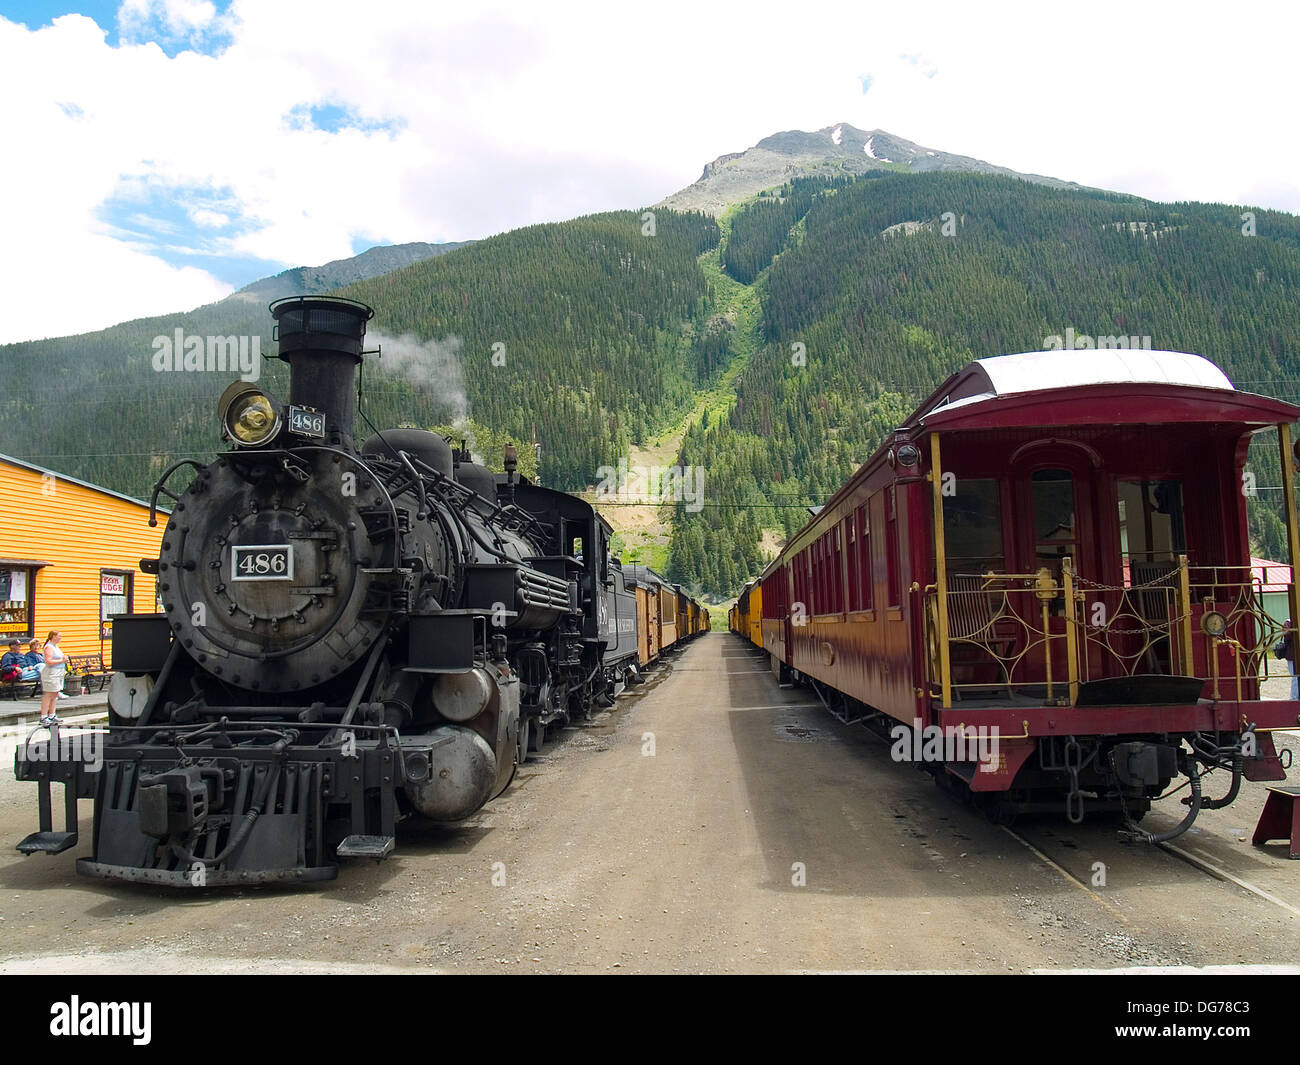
(331,118)
(35,14)
(186,226)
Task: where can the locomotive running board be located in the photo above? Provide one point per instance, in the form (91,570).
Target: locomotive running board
(376,847)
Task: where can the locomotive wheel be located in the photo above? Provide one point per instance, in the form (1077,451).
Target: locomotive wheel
(536,736)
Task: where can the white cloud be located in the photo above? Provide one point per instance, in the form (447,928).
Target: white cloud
(480,118)
(212,219)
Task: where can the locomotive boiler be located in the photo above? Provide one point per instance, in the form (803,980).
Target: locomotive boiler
(351,636)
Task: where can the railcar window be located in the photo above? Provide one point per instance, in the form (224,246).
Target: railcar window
(1151,528)
(866,585)
(837,569)
(891,547)
(1055,529)
(972,527)
(1054,525)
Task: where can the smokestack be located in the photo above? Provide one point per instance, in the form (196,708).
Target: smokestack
(321,338)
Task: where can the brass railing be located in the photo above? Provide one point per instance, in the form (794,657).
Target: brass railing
(1250,631)
(1038,638)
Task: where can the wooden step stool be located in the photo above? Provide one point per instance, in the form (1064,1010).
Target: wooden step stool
(1280,819)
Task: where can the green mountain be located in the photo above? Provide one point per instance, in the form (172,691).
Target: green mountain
(302,280)
(577,334)
(873,291)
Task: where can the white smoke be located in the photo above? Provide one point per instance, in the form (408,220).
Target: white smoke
(427,364)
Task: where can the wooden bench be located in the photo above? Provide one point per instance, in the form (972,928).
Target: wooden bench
(15,688)
(91,667)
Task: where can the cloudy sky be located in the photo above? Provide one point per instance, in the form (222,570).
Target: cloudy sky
(160,153)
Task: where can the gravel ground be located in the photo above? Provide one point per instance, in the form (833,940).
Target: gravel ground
(760,835)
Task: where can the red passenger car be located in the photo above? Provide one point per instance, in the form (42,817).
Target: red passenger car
(1054,547)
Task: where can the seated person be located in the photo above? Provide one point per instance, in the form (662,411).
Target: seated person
(12,662)
(33,661)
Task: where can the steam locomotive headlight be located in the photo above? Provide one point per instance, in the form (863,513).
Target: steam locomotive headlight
(248,415)
(1213,623)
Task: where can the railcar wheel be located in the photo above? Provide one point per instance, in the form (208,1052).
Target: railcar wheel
(998,808)
(952,785)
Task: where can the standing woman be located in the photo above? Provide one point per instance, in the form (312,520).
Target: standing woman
(51,677)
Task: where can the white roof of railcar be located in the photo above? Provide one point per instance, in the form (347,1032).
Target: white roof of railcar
(1035,371)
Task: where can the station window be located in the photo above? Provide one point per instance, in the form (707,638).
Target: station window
(115,596)
(17,600)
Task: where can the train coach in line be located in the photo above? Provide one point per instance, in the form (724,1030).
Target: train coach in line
(746,617)
(1053,551)
(666,616)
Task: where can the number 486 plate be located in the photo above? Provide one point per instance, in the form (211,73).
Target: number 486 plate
(306,422)
(261,562)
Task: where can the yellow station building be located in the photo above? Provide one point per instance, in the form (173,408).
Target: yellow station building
(70,557)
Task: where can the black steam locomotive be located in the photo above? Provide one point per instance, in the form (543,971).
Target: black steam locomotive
(350,637)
